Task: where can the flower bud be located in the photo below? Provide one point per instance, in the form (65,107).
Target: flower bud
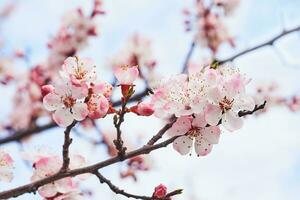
(46,89)
(160,191)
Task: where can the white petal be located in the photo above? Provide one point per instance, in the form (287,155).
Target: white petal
(213,114)
(244,103)
(48,190)
(181,126)
(70,64)
(52,102)
(63,117)
(64,185)
(183,145)
(80,111)
(231,121)
(6,175)
(214,95)
(212,134)
(199,120)
(202,147)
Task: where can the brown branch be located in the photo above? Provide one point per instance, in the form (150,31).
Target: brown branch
(118,120)
(19,135)
(267,43)
(66,145)
(160,133)
(117,190)
(250,112)
(32,187)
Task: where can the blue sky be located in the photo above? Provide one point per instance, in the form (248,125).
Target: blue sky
(261,161)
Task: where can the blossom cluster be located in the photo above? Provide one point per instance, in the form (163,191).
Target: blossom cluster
(209,23)
(76,94)
(201,101)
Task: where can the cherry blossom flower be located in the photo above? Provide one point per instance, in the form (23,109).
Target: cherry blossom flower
(47,164)
(225,103)
(194,132)
(66,101)
(126,75)
(79,70)
(6,165)
(179,95)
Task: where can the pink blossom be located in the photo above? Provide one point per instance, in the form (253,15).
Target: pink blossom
(6,165)
(98,106)
(193,130)
(179,95)
(67,102)
(79,70)
(48,165)
(225,103)
(126,75)
(103,88)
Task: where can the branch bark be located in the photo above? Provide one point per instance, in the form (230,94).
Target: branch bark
(66,145)
(32,187)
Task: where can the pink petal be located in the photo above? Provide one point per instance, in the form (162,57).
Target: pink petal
(199,120)
(52,102)
(63,117)
(181,126)
(79,92)
(231,121)
(202,147)
(80,111)
(183,145)
(212,134)
(213,114)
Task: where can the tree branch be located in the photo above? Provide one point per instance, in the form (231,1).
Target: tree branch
(256,108)
(117,190)
(267,43)
(32,187)
(66,145)
(188,56)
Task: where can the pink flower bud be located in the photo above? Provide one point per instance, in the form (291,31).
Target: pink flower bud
(144,109)
(126,75)
(160,191)
(46,89)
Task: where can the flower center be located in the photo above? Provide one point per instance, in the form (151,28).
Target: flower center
(194,132)
(69,102)
(80,73)
(226,104)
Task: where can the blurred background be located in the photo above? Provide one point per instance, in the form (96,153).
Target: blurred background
(258,162)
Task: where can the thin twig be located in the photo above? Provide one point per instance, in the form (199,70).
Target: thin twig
(267,43)
(117,190)
(188,56)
